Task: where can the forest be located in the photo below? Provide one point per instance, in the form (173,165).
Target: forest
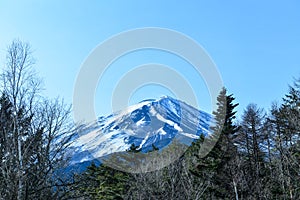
(255,157)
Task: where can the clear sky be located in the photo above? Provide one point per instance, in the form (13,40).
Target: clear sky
(255,44)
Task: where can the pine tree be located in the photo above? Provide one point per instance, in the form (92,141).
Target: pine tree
(100,182)
(213,167)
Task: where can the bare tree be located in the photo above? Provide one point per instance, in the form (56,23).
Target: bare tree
(38,130)
(173,181)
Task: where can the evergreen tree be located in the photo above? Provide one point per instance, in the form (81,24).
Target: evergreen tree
(214,166)
(100,182)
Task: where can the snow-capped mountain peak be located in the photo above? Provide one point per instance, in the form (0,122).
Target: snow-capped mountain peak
(150,122)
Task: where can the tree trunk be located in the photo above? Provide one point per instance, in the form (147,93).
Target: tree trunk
(235,190)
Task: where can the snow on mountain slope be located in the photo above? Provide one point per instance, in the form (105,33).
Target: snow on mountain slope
(149,122)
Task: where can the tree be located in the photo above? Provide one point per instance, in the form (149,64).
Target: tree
(214,167)
(173,181)
(285,128)
(34,130)
(251,141)
(100,182)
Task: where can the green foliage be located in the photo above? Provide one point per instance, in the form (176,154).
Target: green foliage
(101,182)
(256,159)
(213,166)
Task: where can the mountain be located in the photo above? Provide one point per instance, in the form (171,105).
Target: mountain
(150,122)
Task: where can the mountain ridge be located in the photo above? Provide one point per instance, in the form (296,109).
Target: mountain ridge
(147,123)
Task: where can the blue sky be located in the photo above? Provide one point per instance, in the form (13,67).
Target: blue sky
(255,44)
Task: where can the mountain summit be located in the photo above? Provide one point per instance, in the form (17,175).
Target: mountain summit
(150,122)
